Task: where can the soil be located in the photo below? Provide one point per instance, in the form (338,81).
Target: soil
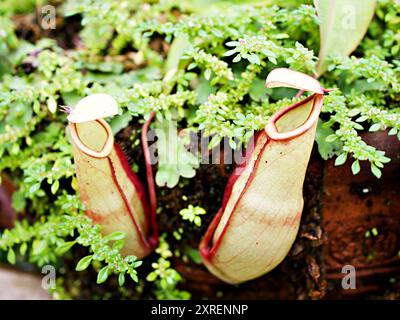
(361,217)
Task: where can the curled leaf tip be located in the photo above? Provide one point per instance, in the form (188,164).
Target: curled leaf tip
(93,107)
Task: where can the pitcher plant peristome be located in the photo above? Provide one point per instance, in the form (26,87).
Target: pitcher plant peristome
(261,210)
(111,192)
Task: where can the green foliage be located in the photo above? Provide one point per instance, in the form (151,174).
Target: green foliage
(383,38)
(10,7)
(166,278)
(8,43)
(46,239)
(203,67)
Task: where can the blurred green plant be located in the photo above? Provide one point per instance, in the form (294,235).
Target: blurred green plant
(192,214)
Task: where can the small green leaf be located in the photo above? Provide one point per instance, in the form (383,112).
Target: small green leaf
(119,244)
(197,221)
(23,248)
(151,276)
(192,66)
(121,279)
(38,246)
(331,138)
(103,275)
(353,112)
(361,119)
(357,126)
(34,188)
(61,249)
(384,159)
(84,263)
(341,159)
(376,171)
(272,59)
(137,264)
(207,74)
(232,43)
(51,105)
(36,106)
(355,167)
(217,33)
(375,127)
(55,186)
(214,141)
(134,277)
(229,53)
(254,59)
(11,256)
(237,58)
(232,144)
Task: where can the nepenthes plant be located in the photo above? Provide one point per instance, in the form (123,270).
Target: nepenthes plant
(262,206)
(111,192)
(81,193)
(260,215)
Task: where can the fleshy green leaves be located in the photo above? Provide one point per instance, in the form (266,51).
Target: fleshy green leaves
(44,241)
(375,127)
(355,167)
(11,258)
(376,171)
(328,143)
(343,24)
(52,104)
(121,279)
(341,159)
(63,248)
(84,263)
(103,274)
(165,278)
(192,214)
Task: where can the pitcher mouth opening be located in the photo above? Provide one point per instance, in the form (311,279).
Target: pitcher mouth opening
(106,147)
(275,134)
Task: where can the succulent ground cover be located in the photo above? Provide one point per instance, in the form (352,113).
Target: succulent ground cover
(202,66)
